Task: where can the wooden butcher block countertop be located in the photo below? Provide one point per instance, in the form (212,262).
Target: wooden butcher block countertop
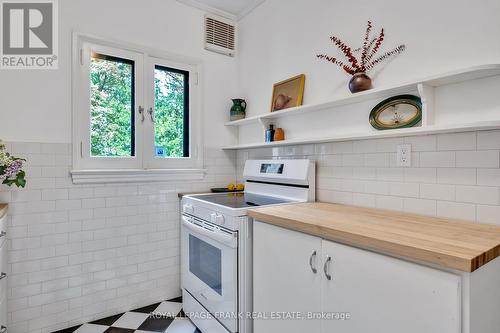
(3,210)
(464,246)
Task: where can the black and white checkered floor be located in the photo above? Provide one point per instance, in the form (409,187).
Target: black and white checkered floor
(166,317)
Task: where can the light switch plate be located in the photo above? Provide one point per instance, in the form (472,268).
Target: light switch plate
(403,156)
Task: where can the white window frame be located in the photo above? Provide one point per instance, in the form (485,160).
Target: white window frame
(144,166)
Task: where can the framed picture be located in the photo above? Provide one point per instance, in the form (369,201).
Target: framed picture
(288,93)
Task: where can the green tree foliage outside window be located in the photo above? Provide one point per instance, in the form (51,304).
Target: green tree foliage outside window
(111,108)
(169,111)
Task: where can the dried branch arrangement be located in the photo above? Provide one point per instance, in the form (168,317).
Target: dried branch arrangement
(369,50)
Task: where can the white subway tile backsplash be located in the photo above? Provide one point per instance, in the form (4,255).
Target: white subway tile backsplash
(456,141)
(404,190)
(488,214)
(27,195)
(352,160)
(342,197)
(420,206)
(456,210)
(420,175)
(389,202)
(364,173)
(81,193)
(54,194)
(437,191)
(364,146)
(25,147)
(478,159)
(352,185)
(26,314)
(340,147)
(422,143)
(364,200)
(459,176)
(390,174)
(488,140)
(388,145)
(376,160)
(478,194)
(488,177)
(440,159)
(55,148)
(376,187)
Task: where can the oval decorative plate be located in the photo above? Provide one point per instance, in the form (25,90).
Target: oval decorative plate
(397,112)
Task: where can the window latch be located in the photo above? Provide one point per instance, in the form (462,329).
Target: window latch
(151,114)
(141,112)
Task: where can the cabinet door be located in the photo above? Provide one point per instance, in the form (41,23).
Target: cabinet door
(284,283)
(387,295)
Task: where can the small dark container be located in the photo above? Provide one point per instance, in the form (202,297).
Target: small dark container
(360,82)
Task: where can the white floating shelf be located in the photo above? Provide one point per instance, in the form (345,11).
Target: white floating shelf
(424,88)
(470,127)
(471,73)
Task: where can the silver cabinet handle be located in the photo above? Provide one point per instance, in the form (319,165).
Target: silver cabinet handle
(3,233)
(326,267)
(151,114)
(3,329)
(3,275)
(141,112)
(311,259)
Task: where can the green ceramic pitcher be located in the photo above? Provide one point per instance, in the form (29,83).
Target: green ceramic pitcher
(238,109)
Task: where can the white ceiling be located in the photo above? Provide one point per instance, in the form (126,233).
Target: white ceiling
(233,9)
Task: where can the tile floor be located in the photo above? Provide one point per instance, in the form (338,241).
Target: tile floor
(166,317)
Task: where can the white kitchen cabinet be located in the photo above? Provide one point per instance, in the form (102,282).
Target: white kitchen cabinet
(284,280)
(372,292)
(387,295)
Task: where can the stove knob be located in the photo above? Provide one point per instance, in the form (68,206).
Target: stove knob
(213,217)
(187,208)
(219,218)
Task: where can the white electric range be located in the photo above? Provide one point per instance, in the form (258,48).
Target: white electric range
(216,242)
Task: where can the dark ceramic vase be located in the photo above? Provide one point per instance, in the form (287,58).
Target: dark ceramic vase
(360,82)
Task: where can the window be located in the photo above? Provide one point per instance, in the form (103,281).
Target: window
(172,115)
(133,110)
(112,105)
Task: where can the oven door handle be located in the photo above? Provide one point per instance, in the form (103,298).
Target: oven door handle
(218,236)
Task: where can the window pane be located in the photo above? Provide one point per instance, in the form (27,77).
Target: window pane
(171,112)
(111,106)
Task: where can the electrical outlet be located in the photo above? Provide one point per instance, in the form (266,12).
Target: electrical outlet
(404,156)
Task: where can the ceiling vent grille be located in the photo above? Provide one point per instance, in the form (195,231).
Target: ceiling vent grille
(220,35)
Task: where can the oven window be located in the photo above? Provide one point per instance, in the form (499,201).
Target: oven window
(205,261)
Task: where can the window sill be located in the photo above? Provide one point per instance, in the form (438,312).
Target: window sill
(135,175)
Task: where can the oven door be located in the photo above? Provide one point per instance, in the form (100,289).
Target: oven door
(209,268)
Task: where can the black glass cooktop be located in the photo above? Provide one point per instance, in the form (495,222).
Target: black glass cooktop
(240,199)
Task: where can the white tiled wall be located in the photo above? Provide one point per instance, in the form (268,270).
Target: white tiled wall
(452,175)
(81,252)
